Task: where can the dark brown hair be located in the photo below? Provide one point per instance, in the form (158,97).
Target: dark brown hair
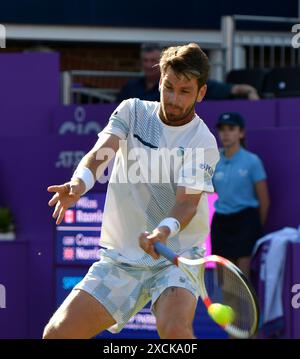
(188,60)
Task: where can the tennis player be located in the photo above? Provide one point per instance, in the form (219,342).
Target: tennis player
(149,198)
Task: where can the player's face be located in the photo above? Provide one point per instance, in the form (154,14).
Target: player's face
(178,97)
(149,60)
(230,135)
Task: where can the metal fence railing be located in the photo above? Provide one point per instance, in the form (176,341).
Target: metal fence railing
(73,91)
(79,85)
(261,49)
(235,49)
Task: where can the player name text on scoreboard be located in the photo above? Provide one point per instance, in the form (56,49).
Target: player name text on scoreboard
(78,237)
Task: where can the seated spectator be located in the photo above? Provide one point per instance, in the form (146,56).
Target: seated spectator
(146,87)
(221,91)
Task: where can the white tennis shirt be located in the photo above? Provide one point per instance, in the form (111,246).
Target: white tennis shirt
(152,161)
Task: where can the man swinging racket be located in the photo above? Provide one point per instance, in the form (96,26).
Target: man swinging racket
(164,161)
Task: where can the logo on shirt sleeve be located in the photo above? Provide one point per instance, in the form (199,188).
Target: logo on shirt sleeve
(206,168)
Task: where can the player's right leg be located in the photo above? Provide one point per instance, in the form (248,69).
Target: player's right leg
(80,316)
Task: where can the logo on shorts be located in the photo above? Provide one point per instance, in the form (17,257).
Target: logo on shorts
(2,296)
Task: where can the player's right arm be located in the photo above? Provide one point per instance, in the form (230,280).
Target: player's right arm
(93,164)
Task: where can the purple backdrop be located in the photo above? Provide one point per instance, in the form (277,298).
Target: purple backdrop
(34,155)
(32,164)
(289,112)
(279,148)
(257,114)
(14,268)
(29,92)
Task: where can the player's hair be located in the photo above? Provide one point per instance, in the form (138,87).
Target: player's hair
(188,60)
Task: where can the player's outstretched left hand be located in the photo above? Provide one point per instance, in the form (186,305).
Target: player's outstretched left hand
(66,195)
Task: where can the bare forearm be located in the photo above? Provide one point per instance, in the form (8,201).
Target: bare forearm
(245,90)
(263,199)
(183,211)
(263,213)
(90,161)
(98,158)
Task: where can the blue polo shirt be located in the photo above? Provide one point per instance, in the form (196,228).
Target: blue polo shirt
(234,181)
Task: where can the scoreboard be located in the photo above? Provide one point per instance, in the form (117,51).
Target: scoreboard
(78,236)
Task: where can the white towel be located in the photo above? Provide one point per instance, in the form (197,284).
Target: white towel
(273,269)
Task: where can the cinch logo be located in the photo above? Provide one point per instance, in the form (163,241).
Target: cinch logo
(78,126)
(296,297)
(2,296)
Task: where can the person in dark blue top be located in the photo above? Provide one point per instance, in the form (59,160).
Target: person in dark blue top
(243,200)
(146,87)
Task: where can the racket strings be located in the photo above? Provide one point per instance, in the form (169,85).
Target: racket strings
(226,287)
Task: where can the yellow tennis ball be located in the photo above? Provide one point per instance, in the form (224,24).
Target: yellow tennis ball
(221,314)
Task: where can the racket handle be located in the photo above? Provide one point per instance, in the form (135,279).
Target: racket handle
(166,252)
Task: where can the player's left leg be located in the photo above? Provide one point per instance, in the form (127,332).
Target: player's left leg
(174,311)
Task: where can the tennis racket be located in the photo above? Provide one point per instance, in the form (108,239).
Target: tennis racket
(220,281)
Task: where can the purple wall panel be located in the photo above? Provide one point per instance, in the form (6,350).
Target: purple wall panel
(24,120)
(27,170)
(31,159)
(29,79)
(29,166)
(257,114)
(280,151)
(41,282)
(29,92)
(289,112)
(14,316)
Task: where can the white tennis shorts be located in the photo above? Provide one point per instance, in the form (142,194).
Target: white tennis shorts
(124,289)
